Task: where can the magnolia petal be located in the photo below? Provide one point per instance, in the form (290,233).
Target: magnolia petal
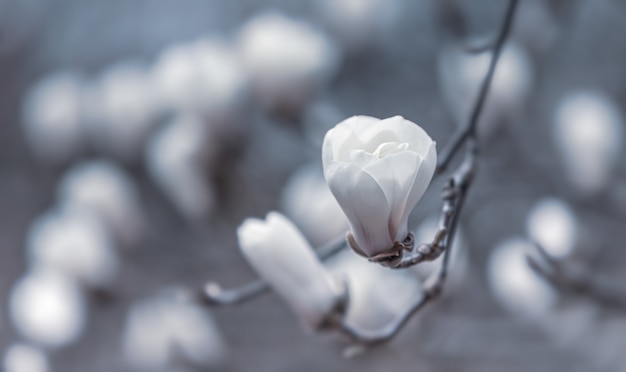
(373,307)
(397,129)
(420,184)
(395,174)
(280,254)
(343,138)
(364,203)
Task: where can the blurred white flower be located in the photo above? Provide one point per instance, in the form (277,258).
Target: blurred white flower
(373,303)
(167,330)
(458,264)
(177,161)
(25,358)
(279,253)
(552,224)
(307,200)
(461,74)
(47,308)
(588,129)
(288,60)
(75,242)
(105,189)
(360,23)
(203,77)
(52,117)
(378,170)
(514,283)
(121,107)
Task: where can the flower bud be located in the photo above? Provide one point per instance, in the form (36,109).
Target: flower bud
(588,129)
(552,224)
(48,308)
(378,296)
(287,60)
(75,242)
(53,118)
(378,170)
(279,253)
(515,284)
(103,188)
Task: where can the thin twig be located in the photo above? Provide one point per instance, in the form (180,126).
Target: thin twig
(214,295)
(567,281)
(454,196)
(456,192)
(470,129)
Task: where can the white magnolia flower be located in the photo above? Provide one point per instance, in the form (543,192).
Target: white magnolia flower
(361,23)
(48,308)
(167,330)
(203,76)
(281,256)
(21,357)
(307,200)
(515,284)
(53,117)
(589,132)
(288,60)
(461,74)
(552,224)
(103,188)
(372,306)
(177,159)
(122,107)
(378,170)
(75,242)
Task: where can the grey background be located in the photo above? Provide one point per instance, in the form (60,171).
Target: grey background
(466,331)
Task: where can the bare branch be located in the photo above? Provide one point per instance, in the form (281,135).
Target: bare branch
(455,193)
(575,283)
(214,295)
(470,129)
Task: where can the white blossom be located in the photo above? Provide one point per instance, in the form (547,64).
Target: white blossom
(177,162)
(360,23)
(588,128)
(279,253)
(122,107)
(52,117)
(167,329)
(552,224)
(104,188)
(22,357)
(378,297)
(514,283)
(47,307)
(75,242)
(461,74)
(204,76)
(307,200)
(378,170)
(287,60)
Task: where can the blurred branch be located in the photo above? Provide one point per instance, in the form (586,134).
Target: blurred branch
(214,295)
(461,136)
(575,283)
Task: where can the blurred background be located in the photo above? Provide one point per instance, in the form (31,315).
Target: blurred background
(136,136)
